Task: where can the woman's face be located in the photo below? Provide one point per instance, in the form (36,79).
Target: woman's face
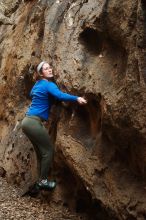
(47,71)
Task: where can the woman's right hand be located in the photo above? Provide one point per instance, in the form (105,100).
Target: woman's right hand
(81,101)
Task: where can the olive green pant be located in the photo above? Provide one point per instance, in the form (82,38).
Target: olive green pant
(34,129)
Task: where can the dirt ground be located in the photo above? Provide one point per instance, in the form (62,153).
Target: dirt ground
(12,206)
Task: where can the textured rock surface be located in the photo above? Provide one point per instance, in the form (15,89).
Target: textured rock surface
(97,49)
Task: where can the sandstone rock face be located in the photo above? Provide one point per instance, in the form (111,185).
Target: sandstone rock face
(97,49)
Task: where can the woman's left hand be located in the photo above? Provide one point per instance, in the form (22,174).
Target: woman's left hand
(81,101)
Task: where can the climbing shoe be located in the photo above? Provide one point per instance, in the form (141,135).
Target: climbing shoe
(34,190)
(45,184)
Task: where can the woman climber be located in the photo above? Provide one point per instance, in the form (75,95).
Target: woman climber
(42,95)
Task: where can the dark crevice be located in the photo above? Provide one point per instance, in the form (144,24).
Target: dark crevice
(12,10)
(84,122)
(1,57)
(5,78)
(143,2)
(92,40)
(137,73)
(143,43)
(2,172)
(76,197)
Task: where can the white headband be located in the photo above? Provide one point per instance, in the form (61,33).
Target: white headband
(40,66)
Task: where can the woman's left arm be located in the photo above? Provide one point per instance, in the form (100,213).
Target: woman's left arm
(53,89)
(62,96)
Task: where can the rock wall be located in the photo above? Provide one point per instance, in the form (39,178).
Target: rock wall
(97,49)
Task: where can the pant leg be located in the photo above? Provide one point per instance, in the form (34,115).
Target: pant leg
(38,155)
(38,135)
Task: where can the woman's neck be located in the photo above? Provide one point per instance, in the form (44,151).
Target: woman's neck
(44,79)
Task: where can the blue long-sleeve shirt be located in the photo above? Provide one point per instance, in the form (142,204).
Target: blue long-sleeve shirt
(41,95)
